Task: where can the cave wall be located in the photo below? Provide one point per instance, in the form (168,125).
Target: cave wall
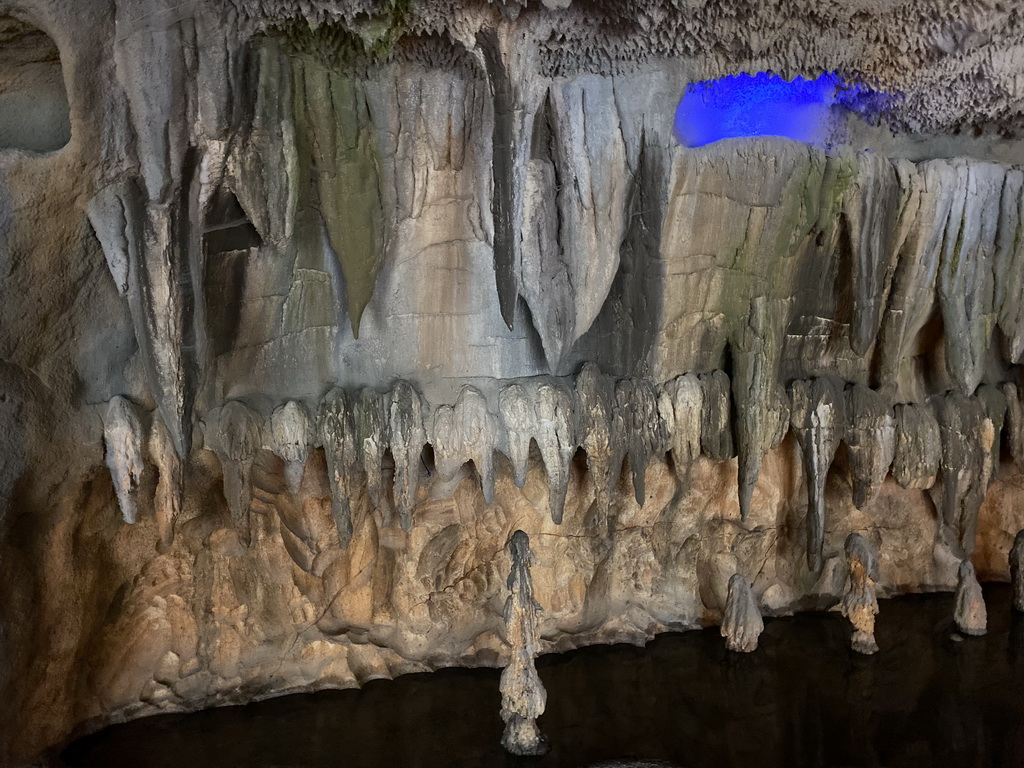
(306,307)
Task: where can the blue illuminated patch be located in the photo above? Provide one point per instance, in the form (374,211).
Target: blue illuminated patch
(761,105)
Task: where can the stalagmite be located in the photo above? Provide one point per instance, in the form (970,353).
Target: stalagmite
(870,439)
(522,694)
(520,421)
(918,446)
(337,434)
(406,438)
(686,397)
(292,435)
(236,439)
(556,417)
(741,624)
(970,614)
(1017,571)
(716,425)
(595,394)
(817,416)
(860,603)
(170,485)
(122,438)
(466,432)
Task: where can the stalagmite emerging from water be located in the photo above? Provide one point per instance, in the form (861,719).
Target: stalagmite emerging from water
(971,617)
(522,694)
(860,604)
(1017,571)
(742,624)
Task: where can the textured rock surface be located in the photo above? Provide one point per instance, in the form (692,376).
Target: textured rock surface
(970,615)
(330,298)
(741,622)
(860,603)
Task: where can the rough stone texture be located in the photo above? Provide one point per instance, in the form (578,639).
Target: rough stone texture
(568,325)
(860,603)
(969,614)
(741,622)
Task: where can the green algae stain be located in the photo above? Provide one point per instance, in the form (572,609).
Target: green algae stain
(340,173)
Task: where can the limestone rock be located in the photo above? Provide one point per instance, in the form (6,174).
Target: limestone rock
(291,437)
(1017,571)
(522,694)
(860,603)
(741,624)
(122,437)
(870,439)
(918,446)
(818,419)
(970,614)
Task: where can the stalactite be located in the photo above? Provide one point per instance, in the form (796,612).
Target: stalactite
(407,438)
(236,437)
(741,623)
(818,419)
(337,434)
(967,439)
(522,694)
(686,398)
(716,425)
(122,438)
(520,421)
(170,487)
(556,418)
(595,394)
(372,439)
(870,439)
(761,409)
(291,437)
(918,446)
(466,432)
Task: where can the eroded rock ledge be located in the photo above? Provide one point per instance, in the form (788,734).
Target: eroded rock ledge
(322,301)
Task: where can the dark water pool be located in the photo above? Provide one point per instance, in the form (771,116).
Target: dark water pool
(803,699)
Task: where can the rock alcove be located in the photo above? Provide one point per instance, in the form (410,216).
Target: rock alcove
(320,302)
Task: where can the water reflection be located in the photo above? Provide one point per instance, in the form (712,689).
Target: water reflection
(929,698)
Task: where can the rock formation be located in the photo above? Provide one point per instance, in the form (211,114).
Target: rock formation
(522,693)
(970,615)
(1017,571)
(329,298)
(860,603)
(741,624)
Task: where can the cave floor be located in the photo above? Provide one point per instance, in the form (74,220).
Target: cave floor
(929,698)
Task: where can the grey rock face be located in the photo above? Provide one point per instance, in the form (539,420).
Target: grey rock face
(344,231)
(122,438)
(741,624)
(522,694)
(970,614)
(860,603)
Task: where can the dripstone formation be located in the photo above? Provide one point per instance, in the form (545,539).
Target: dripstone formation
(307,307)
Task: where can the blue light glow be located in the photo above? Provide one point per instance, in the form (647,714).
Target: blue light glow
(762,105)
